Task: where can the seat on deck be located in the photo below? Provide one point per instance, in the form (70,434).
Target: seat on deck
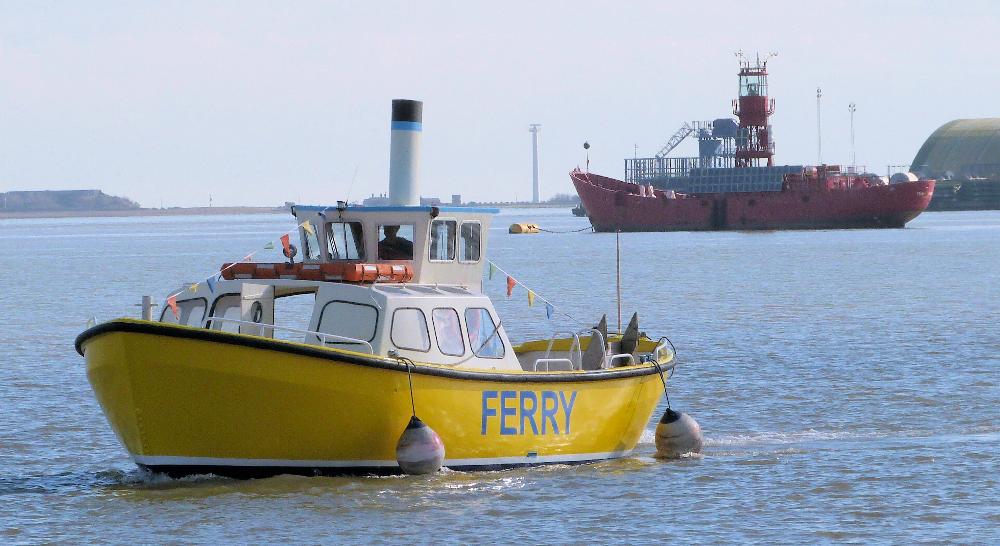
(630,339)
(593,359)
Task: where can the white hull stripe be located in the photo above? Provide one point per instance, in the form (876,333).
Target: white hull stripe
(171,460)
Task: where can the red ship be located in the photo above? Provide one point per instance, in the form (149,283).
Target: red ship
(734,185)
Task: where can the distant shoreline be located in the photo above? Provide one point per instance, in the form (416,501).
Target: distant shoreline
(177,211)
(210,211)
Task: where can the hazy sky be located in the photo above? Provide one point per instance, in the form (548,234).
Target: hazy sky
(263,102)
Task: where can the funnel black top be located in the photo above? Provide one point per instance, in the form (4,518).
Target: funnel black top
(407,110)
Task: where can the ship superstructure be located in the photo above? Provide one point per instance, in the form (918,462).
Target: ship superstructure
(733,183)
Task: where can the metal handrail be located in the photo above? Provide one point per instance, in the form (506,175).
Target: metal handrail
(662,346)
(322,336)
(549,361)
(621,356)
(552,341)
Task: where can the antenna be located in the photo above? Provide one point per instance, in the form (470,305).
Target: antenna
(533,129)
(819,130)
(351,185)
(854,158)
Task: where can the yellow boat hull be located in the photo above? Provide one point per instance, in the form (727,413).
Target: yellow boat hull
(184,400)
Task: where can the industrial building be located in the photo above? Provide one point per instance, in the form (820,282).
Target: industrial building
(964,157)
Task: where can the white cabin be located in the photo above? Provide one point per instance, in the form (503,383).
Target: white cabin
(435,312)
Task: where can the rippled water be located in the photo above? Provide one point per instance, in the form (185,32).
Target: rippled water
(848,383)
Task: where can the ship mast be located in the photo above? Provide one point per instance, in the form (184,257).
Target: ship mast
(753,108)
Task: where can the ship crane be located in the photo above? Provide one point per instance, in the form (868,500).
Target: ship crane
(681,134)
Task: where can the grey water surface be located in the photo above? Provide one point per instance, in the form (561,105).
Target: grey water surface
(848,384)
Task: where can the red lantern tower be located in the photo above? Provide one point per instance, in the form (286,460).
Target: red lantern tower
(753,108)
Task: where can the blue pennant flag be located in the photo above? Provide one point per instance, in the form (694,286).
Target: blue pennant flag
(549,310)
(211,283)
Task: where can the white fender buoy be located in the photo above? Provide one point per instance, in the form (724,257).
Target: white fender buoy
(420,449)
(676,434)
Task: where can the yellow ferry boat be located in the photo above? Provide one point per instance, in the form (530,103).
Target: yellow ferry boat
(218,385)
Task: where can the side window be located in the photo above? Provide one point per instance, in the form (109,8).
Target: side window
(469,242)
(442,246)
(312,243)
(395,242)
(345,241)
(409,330)
(227,307)
(484,337)
(346,319)
(191,312)
(448,331)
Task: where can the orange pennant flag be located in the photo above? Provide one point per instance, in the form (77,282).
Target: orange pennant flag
(285,244)
(510,285)
(172,302)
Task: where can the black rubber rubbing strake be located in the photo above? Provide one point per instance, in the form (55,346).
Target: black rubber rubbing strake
(217,336)
(407,110)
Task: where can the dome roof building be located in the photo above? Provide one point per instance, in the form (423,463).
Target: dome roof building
(963,148)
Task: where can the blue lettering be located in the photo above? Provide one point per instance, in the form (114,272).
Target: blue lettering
(487,411)
(567,408)
(529,413)
(549,413)
(507,411)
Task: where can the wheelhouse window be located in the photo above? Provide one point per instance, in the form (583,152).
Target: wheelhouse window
(312,251)
(189,312)
(348,319)
(226,307)
(395,242)
(345,241)
(442,245)
(469,242)
(448,331)
(409,330)
(484,335)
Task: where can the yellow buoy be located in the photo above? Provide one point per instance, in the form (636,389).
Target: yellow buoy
(523,228)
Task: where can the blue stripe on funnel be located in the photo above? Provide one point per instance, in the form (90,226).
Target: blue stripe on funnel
(407,126)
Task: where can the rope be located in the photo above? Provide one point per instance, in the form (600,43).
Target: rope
(409,378)
(537,295)
(660,370)
(570,231)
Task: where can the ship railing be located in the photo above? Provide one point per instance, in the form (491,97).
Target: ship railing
(267,330)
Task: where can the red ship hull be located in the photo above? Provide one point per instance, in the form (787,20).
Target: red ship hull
(809,204)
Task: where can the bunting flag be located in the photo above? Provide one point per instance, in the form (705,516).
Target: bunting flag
(549,310)
(308,228)
(211,283)
(269,245)
(531,298)
(248,257)
(172,302)
(493,270)
(510,285)
(285,244)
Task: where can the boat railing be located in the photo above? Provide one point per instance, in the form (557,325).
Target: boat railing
(552,341)
(576,346)
(621,356)
(323,337)
(664,347)
(548,362)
